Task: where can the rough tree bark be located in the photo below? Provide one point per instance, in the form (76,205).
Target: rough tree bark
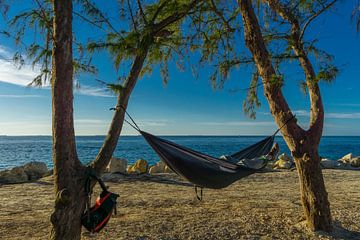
(302,144)
(68,171)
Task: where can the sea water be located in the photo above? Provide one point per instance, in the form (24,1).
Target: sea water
(18,150)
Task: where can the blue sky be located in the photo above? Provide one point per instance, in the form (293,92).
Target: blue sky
(189,106)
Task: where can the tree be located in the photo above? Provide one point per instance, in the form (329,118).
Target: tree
(303,144)
(152,38)
(68,171)
(274,35)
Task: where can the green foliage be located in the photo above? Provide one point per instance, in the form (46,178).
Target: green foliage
(156,29)
(252,101)
(39,21)
(327,73)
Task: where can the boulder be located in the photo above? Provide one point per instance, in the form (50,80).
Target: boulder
(355,162)
(139,167)
(284,162)
(35,170)
(223,157)
(329,164)
(14,175)
(347,158)
(159,167)
(117,165)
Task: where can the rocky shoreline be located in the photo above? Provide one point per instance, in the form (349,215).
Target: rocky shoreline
(35,170)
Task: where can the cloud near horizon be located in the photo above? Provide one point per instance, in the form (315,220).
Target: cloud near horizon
(330,115)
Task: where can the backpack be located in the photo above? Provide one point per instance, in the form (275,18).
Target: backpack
(96,217)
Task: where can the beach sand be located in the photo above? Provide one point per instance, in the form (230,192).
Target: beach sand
(262,206)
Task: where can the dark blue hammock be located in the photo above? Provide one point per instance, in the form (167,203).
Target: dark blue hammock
(205,171)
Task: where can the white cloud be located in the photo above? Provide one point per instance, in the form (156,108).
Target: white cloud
(153,123)
(19,96)
(9,73)
(92,91)
(349,104)
(330,115)
(301,113)
(237,123)
(89,121)
(343,115)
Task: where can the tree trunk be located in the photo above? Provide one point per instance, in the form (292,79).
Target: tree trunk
(109,145)
(313,194)
(302,144)
(68,171)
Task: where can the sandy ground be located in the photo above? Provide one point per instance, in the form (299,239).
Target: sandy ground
(262,206)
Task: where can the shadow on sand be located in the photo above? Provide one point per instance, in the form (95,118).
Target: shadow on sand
(171,179)
(339,232)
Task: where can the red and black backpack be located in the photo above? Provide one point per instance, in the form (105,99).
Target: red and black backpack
(96,217)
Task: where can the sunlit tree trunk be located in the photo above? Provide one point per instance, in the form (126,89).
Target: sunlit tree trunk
(109,145)
(302,144)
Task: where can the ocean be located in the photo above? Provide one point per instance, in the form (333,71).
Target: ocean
(18,150)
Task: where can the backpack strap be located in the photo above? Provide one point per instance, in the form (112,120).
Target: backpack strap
(91,175)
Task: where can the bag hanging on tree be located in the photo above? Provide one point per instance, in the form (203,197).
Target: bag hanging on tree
(95,218)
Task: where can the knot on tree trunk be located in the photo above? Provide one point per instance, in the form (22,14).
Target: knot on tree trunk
(63,197)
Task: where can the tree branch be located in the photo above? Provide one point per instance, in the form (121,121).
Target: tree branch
(221,16)
(307,23)
(142,12)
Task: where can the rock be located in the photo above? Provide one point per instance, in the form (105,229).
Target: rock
(223,157)
(117,165)
(329,164)
(355,162)
(285,157)
(15,175)
(346,159)
(35,170)
(168,170)
(29,172)
(284,162)
(159,167)
(140,166)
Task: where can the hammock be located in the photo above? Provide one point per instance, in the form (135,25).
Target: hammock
(205,171)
